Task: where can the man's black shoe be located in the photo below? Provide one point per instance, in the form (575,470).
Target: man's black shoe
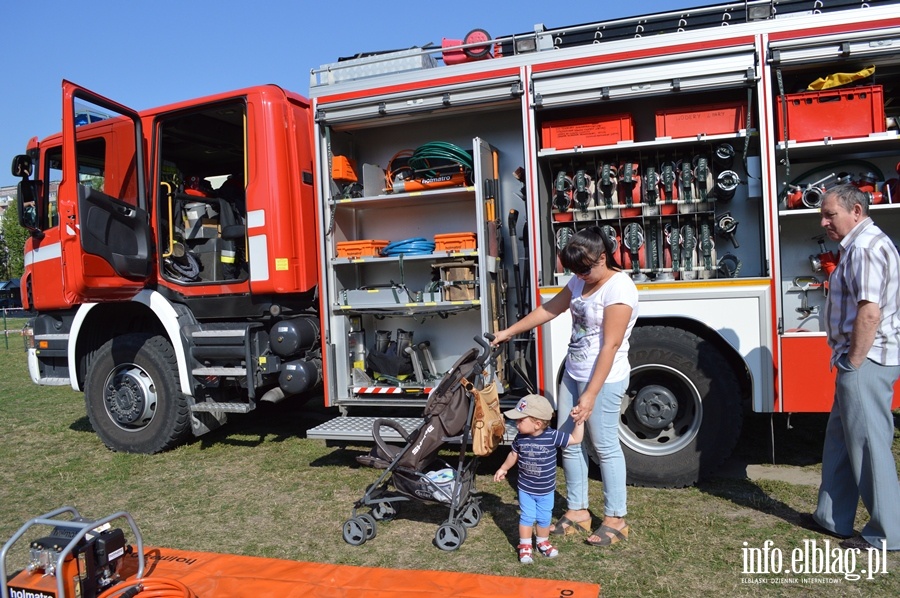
(807,521)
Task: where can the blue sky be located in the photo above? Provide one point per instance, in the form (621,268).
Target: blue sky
(147,53)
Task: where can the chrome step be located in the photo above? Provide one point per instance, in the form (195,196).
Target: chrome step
(222,407)
(219,371)
(213,333)
(360,429)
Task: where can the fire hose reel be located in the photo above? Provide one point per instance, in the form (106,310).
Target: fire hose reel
(667,181)
(633,239)
(584,190)
(613,235)
(673,242)
(562,191)
(688,245)
(651,184)
(686,180)
(608,178)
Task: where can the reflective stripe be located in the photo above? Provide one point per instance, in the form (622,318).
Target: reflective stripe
(256,218)
(259,258)
(44,253)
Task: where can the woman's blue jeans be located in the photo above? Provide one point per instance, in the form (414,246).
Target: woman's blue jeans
(603,432)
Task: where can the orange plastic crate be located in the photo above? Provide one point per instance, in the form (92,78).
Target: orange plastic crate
(834,113)
(454,242)
(608,129)
(711,119)
(362,248)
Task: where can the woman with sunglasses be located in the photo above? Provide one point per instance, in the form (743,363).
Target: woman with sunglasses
(603,302)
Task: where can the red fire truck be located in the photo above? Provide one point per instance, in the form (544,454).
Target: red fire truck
(205,256)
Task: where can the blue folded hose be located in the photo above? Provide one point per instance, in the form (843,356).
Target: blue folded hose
(411,246)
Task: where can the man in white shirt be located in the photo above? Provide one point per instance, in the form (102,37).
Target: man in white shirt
(862,318)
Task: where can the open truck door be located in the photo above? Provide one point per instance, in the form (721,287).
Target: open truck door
(104,222)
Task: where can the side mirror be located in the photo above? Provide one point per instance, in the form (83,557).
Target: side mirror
(27,193)
(22,166)
(26,202)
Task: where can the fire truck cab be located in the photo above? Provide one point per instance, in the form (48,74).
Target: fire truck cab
(174,273)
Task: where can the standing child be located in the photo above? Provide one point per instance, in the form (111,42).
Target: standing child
(534,448)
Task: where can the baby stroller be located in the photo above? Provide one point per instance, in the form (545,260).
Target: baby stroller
(412,469)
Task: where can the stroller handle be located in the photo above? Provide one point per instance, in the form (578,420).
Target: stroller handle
(487,352)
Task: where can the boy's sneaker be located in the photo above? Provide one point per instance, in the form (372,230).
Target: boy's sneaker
(547,549)
(525,553)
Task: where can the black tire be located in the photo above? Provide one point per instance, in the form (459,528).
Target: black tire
(370,526)
(681,416)
(354,531)
(133,397)
(471,515)
(450,536)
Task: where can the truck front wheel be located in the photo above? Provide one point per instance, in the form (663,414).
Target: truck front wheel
(681,416)
(132,395)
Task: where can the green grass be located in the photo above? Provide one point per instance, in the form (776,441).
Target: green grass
(259,487)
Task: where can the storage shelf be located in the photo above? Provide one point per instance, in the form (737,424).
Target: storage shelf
(375,259)
(591,213)
(449,194)
(409,309)
(875,142)
(818,212)
(656,143)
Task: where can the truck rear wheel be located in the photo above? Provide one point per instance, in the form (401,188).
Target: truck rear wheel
(681,416)
(132,395)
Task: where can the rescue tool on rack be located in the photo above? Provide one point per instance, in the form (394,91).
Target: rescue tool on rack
(434,165)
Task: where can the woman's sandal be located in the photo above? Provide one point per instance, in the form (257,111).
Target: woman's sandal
(565,526)
(603,532)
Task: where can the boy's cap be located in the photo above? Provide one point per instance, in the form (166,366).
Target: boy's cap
(531,405)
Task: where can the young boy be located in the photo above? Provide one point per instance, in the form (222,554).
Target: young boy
(534,448)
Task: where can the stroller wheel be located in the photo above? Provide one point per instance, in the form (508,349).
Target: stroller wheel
(471,515)
(449,536)
(384,511)
(357,530)
(354,532)
(369,523)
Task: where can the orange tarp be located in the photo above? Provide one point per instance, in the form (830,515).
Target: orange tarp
(211,575)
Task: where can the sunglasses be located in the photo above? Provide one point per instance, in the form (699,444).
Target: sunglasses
(584,270)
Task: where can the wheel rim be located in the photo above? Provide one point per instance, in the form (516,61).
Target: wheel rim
(354,532)
(130,397)
(662,411)
(471,516)
(369,524)
(450,536)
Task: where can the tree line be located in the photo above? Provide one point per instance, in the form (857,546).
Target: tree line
(12,244)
